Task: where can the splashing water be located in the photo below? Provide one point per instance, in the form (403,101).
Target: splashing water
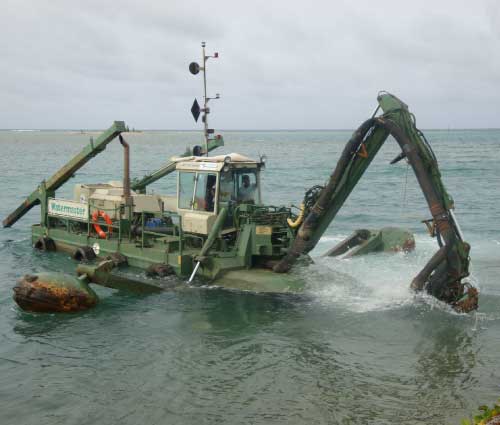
(377,281)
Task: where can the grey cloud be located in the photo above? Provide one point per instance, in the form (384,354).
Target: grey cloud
(284,64)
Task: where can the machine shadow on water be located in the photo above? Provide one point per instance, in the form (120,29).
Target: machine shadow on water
(234,311)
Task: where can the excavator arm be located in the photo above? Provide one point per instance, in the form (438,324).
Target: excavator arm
(443,274)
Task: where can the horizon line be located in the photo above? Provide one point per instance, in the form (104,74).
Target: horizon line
(137,130)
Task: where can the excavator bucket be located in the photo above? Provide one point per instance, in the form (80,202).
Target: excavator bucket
(364,241)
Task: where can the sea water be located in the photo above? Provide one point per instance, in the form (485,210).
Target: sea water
(358,348)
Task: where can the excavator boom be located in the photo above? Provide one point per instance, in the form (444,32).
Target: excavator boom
(443,274)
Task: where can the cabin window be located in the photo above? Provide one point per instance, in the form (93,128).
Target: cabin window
(226,187)
(186,189)
(204,198)
(247,190)
(197,191)
(239,185)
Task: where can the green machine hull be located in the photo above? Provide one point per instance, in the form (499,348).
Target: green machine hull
(212,231)
(228,271)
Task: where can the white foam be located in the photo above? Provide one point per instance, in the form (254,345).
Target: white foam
(372,282)
(20,130)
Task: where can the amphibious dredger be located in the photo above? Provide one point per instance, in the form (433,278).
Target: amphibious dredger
(216,227)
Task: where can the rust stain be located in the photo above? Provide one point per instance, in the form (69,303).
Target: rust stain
(38,296)
(470,303)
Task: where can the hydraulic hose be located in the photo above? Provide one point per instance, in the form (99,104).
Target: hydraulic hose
(444,271)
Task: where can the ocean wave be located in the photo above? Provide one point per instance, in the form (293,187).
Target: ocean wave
(25,130)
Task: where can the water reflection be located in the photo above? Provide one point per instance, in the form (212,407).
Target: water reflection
(235,311)
(447,355)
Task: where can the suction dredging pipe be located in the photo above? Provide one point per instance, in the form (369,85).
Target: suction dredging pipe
(304,241)
(212,236)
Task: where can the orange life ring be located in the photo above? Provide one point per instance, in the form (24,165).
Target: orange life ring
(95,216)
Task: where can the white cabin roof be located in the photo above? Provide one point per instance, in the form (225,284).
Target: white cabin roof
(215,163)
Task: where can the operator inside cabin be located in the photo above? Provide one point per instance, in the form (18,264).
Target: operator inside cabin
(247,190)
(237,187)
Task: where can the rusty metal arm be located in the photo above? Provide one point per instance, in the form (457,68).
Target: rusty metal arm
(443,275)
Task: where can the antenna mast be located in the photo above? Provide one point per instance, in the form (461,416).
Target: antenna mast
(194,68)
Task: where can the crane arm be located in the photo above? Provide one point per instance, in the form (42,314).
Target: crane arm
(140,185)
(49,186)
(443,274)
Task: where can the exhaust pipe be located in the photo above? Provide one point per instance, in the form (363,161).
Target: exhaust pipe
(126,170)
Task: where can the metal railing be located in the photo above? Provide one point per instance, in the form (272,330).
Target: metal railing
(117,225)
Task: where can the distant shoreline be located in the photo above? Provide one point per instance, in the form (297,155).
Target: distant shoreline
(284,130)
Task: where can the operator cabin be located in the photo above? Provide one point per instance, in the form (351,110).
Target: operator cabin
(206,184)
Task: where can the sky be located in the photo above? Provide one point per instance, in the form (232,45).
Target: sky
(283,64)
